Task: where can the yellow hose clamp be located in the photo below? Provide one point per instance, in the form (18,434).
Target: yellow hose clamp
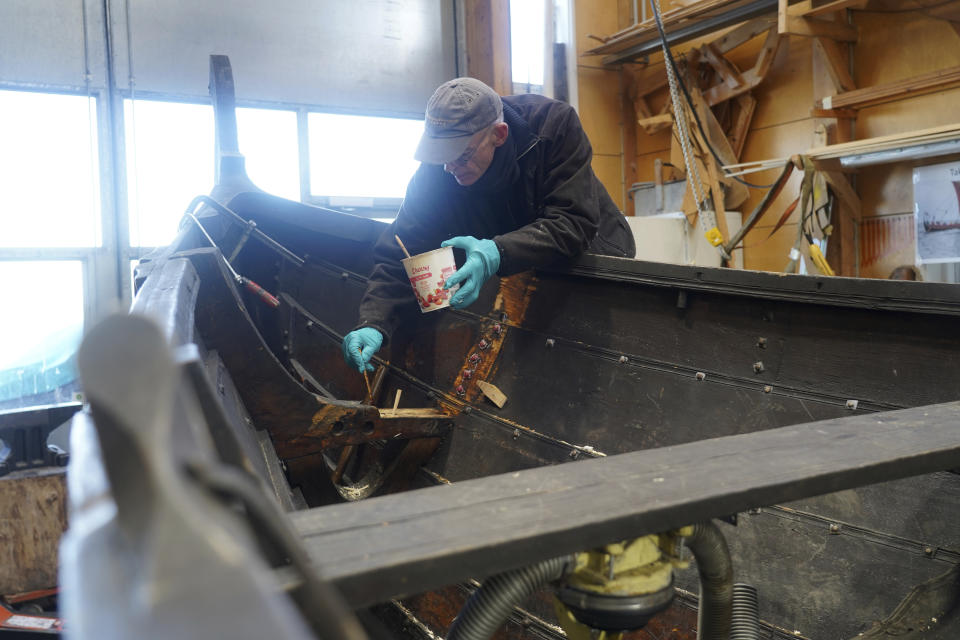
(714,237)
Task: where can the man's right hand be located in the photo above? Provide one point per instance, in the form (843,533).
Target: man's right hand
(360,345)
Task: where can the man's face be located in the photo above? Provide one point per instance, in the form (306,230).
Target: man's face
(476,158)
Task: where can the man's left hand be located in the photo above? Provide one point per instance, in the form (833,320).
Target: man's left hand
(483,260)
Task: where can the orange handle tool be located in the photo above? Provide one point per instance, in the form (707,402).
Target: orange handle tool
(262,293)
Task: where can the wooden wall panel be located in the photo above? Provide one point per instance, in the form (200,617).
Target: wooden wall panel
(625,13)
(647,143)
(777,141)
(894,47)
(645,164)
(901,45)
(786,93)
(921,112)
(594,17)
(600,113)
(763,253)
(891,47)
(599,92)
(609,169)
(33,517)
(891,192)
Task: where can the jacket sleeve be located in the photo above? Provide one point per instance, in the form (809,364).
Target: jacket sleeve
(569,215)
(389,298)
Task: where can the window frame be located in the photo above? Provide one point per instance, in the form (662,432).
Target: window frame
(106,273)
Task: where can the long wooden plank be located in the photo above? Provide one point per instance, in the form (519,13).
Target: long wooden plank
(622,39)
(809,8)
(408,543)
(882,143)
(909,87)
(700,20)
(751,77)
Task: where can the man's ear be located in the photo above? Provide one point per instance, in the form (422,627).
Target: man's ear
(500,131)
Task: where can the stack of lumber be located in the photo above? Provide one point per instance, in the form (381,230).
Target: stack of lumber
(945,133)
(672,20)
(886,143)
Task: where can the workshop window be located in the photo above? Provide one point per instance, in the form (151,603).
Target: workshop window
(355,159)
(528,29)
(38,343)
(49,168)
(268,141)
(170,160)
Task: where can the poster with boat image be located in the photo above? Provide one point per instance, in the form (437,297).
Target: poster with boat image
(936,205)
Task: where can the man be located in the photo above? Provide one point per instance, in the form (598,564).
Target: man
(508,180)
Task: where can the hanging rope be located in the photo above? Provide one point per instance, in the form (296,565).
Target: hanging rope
(706,218)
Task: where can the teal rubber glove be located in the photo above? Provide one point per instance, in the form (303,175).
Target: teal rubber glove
(359,346)
(483,260)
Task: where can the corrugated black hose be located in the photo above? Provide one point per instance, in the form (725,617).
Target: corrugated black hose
(710,550)
(489,606)
(745,616)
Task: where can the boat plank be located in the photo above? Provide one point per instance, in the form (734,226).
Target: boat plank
(408,543)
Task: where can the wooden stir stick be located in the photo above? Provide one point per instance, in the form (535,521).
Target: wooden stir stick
(366,378)
(400,242)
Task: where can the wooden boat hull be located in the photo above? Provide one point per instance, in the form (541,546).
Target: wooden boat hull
(608,356)
(596,358)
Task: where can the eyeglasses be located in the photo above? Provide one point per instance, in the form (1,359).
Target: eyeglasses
(466,156)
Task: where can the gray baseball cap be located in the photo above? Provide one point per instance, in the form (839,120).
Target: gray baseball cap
(456,111)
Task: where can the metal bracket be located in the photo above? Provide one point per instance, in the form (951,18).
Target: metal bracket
(23,438)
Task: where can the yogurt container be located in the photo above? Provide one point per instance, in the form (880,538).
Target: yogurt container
(428,272)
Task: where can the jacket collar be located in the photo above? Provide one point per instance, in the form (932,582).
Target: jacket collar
(523,138)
